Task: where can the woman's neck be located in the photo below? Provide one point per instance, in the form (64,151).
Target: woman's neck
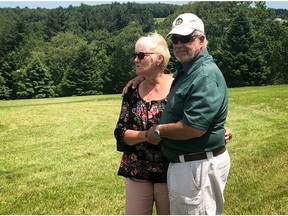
(155,89)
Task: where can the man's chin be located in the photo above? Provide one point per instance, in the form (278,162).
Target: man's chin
(183,58)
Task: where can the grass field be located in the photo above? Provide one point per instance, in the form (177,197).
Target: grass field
(58,155)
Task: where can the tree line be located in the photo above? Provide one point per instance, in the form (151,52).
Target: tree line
(87,50)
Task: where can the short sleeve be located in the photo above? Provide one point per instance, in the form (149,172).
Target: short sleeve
(202,103)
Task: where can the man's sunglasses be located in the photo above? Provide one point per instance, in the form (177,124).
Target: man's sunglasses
(141,55)
(184,39)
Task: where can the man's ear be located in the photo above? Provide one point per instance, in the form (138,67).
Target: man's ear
(202,38)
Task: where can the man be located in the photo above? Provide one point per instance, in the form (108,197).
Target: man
(191,129)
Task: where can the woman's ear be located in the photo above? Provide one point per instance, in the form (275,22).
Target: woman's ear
(160,59)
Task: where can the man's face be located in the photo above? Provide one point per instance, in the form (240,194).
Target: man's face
(186,48)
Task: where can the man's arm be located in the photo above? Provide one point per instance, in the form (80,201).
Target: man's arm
(183,132)
(177,131)
(133,82)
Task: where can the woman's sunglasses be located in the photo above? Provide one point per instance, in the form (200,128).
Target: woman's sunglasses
(141,55)
(184,39)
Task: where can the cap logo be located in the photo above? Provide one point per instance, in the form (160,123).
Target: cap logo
(178,21)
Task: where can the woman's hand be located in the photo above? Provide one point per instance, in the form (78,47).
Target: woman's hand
(134,83)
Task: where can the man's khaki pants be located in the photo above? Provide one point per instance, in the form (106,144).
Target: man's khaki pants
(196,187)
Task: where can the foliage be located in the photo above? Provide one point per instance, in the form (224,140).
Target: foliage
(247,43)
(35,82)
(277,52)
(58,53)
(5,92)
(282,13)
(241,62)
(122,67)
(84,76)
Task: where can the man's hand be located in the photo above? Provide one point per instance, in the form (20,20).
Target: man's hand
(134,83)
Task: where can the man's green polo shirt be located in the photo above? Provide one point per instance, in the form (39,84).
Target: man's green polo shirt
(198,97)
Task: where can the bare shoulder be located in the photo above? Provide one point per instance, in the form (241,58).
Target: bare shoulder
(169,77)
(169,74)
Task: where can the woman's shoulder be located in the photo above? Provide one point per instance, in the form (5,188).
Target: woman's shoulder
(168,78)
(130,93)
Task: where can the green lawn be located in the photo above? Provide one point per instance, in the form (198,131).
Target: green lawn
(58,155)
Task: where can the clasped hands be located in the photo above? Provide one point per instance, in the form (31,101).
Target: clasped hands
(150,136)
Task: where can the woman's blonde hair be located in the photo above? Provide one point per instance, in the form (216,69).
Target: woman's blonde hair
(157,44)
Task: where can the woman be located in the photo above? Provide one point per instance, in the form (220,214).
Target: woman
(142,163)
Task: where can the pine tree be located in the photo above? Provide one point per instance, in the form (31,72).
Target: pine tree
(57,21)
(5,92)
(84,77)
(122,65)
(35,82)
(239,59)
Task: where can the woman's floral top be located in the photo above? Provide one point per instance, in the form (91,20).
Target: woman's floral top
(143,160)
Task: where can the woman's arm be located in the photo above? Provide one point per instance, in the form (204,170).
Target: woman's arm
(132,137)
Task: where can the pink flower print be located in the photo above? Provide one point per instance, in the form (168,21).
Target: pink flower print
(144,116)
(133,157)
(137,111)
(124,159)
(150,115)
(134,172)
(154,110)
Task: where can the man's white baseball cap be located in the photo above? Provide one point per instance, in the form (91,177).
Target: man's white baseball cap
(185,24)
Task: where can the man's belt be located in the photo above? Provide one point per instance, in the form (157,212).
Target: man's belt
(198,156)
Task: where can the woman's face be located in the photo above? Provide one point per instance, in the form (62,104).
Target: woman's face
(144,61)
